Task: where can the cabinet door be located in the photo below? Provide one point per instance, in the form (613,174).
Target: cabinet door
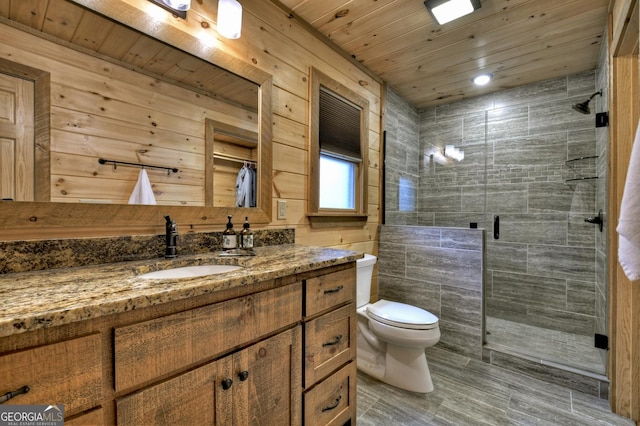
(266,382)
(187,399)
(90,418)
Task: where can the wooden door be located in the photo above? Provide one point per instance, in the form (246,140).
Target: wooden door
(16,138)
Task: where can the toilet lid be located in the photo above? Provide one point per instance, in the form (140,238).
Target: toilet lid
(402,315)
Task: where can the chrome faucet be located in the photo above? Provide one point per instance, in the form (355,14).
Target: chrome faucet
(172,238)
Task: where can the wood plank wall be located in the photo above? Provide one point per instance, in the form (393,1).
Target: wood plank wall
(291,50)
(624,296)
(272,42)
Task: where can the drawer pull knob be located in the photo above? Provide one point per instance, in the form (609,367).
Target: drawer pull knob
(334,405)
(7,396)
(335,341)
(243,375)
(226,383)
(334,290)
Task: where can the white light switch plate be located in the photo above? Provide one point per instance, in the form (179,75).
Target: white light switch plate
(282,209)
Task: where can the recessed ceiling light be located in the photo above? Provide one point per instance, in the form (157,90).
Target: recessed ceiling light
(482,79)
(444,11)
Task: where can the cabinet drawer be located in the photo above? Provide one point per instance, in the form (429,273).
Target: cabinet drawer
(152,349)
(330,341)
(68,373)
(333,401)
(329,290)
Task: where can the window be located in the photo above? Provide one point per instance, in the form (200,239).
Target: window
(337,183)
(338,152)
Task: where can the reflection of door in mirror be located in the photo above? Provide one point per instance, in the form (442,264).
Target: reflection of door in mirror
(16,139)
(231,168)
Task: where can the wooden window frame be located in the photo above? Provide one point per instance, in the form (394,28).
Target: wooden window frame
(330,217)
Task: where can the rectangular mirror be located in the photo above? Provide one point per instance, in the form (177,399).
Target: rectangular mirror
(168,102)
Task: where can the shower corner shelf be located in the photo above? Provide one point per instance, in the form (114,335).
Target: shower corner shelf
(575,160)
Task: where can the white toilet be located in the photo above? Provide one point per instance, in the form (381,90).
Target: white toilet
(392,336)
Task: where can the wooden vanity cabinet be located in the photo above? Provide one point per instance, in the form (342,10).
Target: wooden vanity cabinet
(254,383)
(151,350)
(279,352)
(257,385)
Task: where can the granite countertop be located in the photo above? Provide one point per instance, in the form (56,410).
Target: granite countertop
(42,299)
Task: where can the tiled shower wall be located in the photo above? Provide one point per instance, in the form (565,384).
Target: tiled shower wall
(401,161)
(542,269)
(440,270)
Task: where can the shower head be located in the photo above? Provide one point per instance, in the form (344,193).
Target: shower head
(583,107)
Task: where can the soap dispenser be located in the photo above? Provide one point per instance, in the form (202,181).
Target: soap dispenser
(229,239)
(246,237)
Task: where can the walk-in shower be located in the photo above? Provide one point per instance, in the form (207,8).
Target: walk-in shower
(535,169)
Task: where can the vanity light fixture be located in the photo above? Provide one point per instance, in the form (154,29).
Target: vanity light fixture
(482,79)
(178,4)
(229,18)
(444,11)
(176,7)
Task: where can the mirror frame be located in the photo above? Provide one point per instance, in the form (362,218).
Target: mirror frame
(181,34)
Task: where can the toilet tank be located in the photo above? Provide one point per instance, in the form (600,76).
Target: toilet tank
(364,271)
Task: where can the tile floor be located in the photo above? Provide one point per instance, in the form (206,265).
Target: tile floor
(568,349)
(472,392)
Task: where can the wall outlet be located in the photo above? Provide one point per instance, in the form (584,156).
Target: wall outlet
(282,209)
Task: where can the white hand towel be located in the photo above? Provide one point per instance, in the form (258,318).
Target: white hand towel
(142,192)
(629,221)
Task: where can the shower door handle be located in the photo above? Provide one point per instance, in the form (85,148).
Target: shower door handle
(496,227)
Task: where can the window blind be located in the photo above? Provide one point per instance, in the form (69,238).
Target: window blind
(339,127)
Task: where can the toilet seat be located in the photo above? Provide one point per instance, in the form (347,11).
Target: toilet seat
(402,315)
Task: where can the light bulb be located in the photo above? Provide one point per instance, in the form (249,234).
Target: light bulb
(229,18)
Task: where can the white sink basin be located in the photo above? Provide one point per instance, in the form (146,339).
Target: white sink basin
(189,271)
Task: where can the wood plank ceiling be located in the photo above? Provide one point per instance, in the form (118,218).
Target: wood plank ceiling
(71,25)
(518,41)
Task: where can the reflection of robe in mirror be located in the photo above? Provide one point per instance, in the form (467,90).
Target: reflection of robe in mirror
(245,187)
